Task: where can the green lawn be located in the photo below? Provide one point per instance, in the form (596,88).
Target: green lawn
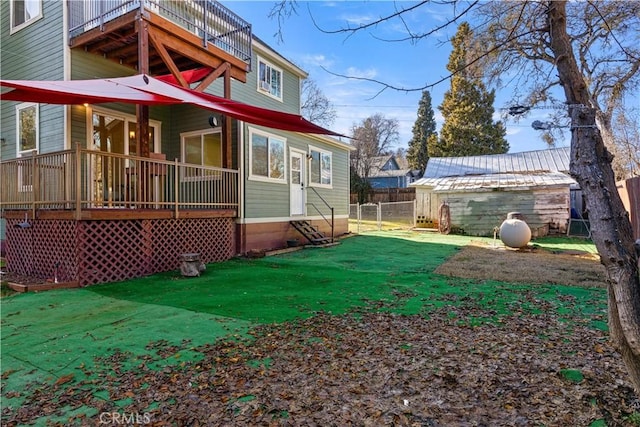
(63,335)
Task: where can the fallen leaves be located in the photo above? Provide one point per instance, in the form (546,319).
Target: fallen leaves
(373,369)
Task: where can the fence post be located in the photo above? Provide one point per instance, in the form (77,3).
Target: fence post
(175,188)
(379,216)
(78,180)
(35,184)
(415,213)
(358,217)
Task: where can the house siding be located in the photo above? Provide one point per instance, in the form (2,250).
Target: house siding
(271,200)
(249,94)
(44,61)
(388,182)
(477,213)
(87,66)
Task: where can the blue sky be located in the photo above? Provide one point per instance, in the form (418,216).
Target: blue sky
(370,54)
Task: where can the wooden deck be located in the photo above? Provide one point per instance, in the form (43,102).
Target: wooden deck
(62,211)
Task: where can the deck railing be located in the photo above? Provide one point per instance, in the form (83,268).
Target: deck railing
(208,19)
(86,179)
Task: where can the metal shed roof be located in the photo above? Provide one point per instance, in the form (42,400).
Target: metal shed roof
(495,181)
(541,168)
(552,160)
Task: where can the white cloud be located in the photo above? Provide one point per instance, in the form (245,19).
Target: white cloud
(369,73)
(316,60)
(357,20)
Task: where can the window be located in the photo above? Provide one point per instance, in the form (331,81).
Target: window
(202,148)
(28,127)
(320,167)
(267,156)
(115,132)
(24,12)
(269,79)
(27,134)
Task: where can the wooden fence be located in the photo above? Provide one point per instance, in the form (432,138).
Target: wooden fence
(630,194)
(387,195)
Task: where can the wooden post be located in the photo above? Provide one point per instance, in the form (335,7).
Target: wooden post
(142,115)
(78,180)
(226,127)
(35,185)
(142,111)
(176,182)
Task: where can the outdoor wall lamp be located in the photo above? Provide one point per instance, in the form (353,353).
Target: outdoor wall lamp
(3,142)
(213,121)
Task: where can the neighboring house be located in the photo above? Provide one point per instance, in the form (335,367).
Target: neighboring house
(104,191)
(481,190)
(386,172)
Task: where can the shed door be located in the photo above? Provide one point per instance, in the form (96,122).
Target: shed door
(296,183)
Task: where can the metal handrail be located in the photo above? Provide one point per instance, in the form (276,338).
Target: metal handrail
(209,19)
(320,212)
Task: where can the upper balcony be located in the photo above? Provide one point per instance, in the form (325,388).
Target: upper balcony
(182,35)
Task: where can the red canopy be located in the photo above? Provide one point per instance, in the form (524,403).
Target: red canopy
(143,89)
(191,76)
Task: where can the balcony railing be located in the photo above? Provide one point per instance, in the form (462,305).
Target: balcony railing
(86,179)
(208,19)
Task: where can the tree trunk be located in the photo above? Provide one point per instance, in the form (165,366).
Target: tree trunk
(610,226)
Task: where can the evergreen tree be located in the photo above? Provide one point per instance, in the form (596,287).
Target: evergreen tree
(467,108)
(423,129)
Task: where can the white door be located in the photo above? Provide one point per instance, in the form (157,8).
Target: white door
(296,182)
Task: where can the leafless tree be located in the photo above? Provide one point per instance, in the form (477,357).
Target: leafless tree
(626,163)
(372,137)
(316,107)
(590,51)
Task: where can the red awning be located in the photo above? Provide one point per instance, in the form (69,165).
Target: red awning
(190,76)
(143,89)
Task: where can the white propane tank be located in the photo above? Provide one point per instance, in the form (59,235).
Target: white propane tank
(514,232)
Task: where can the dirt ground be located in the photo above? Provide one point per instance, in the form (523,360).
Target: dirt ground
(531,265)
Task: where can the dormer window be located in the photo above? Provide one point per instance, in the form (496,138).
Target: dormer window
(269,79)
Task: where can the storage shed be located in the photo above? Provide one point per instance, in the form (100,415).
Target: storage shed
(481,190)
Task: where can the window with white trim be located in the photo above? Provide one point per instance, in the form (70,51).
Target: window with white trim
(269,79)
(202,148)
(267,157)
(320,171)
(24,12)
(27,141)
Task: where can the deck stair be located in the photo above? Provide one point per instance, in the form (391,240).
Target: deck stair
(310,232)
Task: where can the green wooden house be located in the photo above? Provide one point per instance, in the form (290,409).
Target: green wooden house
(98,186)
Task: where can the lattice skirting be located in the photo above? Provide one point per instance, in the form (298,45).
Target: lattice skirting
(113,250)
